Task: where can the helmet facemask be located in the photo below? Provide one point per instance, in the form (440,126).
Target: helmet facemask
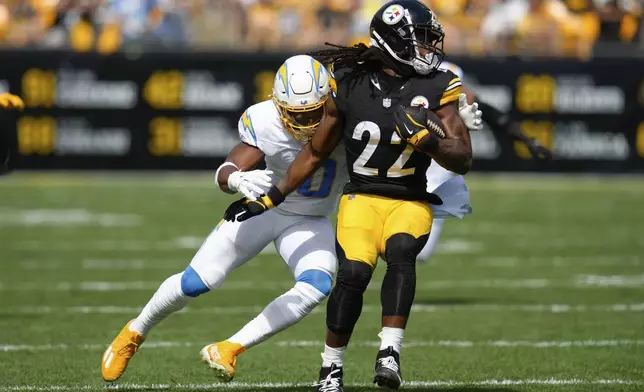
(300,90)
(300,121)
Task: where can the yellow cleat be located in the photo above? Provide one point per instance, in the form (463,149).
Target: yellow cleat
(119,353)
(222,358)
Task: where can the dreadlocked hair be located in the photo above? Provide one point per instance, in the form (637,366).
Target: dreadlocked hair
(360,58)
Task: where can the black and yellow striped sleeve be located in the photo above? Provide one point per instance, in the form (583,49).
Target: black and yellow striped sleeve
(452,91)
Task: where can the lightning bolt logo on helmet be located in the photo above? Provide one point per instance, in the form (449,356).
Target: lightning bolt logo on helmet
(300,89)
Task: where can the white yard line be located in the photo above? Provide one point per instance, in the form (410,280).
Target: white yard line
(606,260)
(469,343)
(460,243)
(577,282)
(65,218)
(552,261)
(464,344)
(120,246)
(252,309)
(275,385)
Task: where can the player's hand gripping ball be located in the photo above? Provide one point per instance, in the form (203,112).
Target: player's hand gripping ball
(414,123)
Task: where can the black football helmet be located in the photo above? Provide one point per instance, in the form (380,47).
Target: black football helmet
(408,31)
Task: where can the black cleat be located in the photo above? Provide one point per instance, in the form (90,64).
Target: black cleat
(330,379)
(388,369)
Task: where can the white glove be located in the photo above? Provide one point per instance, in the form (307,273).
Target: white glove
(251,183)
(470,114)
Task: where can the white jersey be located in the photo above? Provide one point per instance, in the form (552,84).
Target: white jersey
(260,126)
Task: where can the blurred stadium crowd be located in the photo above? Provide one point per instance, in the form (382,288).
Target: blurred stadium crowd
(575,28)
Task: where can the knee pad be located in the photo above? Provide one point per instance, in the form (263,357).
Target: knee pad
(345,303)
(191,283)
(318,279)
(401,249)
(354,275)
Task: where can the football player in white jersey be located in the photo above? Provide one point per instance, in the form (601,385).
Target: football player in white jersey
(275,131)
(444,182)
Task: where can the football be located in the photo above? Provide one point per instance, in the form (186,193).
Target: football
(435,125)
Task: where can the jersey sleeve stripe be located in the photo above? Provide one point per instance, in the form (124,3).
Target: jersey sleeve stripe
(451,95)
(454,85)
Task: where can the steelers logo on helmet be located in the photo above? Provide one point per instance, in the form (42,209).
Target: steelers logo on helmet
(393,14)
(419,100)
(410,35)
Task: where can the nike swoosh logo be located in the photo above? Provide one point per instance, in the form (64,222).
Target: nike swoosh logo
(409,130)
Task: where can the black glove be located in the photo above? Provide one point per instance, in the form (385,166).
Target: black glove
(233,209)
(244,209)
(410,123)
(539,152)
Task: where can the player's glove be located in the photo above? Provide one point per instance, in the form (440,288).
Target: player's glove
(251,183)
(244,208)
(410,125)
(538,152)
(10,101)
(470,114)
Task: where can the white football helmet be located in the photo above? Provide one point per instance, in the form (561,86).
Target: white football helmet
(300,90)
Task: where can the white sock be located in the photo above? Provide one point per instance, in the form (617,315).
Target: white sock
(333,355)
(432,241)
(391,337)
(168,299)
(284,311)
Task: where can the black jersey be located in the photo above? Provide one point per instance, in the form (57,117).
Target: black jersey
(379,162)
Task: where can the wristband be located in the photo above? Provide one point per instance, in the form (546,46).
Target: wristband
(273,197)
(219,169)
(415,140)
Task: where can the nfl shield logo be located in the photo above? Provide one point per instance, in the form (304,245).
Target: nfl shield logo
(386,102)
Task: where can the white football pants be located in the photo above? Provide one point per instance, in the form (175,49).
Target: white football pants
(304,242)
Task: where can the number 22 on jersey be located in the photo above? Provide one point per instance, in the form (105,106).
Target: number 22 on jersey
(360,164)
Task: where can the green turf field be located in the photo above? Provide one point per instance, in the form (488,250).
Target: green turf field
(542,289)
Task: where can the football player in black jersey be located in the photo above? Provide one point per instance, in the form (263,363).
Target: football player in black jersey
(380,113)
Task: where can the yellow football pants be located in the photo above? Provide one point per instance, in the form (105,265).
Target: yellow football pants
(366,222)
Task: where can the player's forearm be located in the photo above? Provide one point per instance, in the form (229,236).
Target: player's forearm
(304,165)
(222,177)
(453,154)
